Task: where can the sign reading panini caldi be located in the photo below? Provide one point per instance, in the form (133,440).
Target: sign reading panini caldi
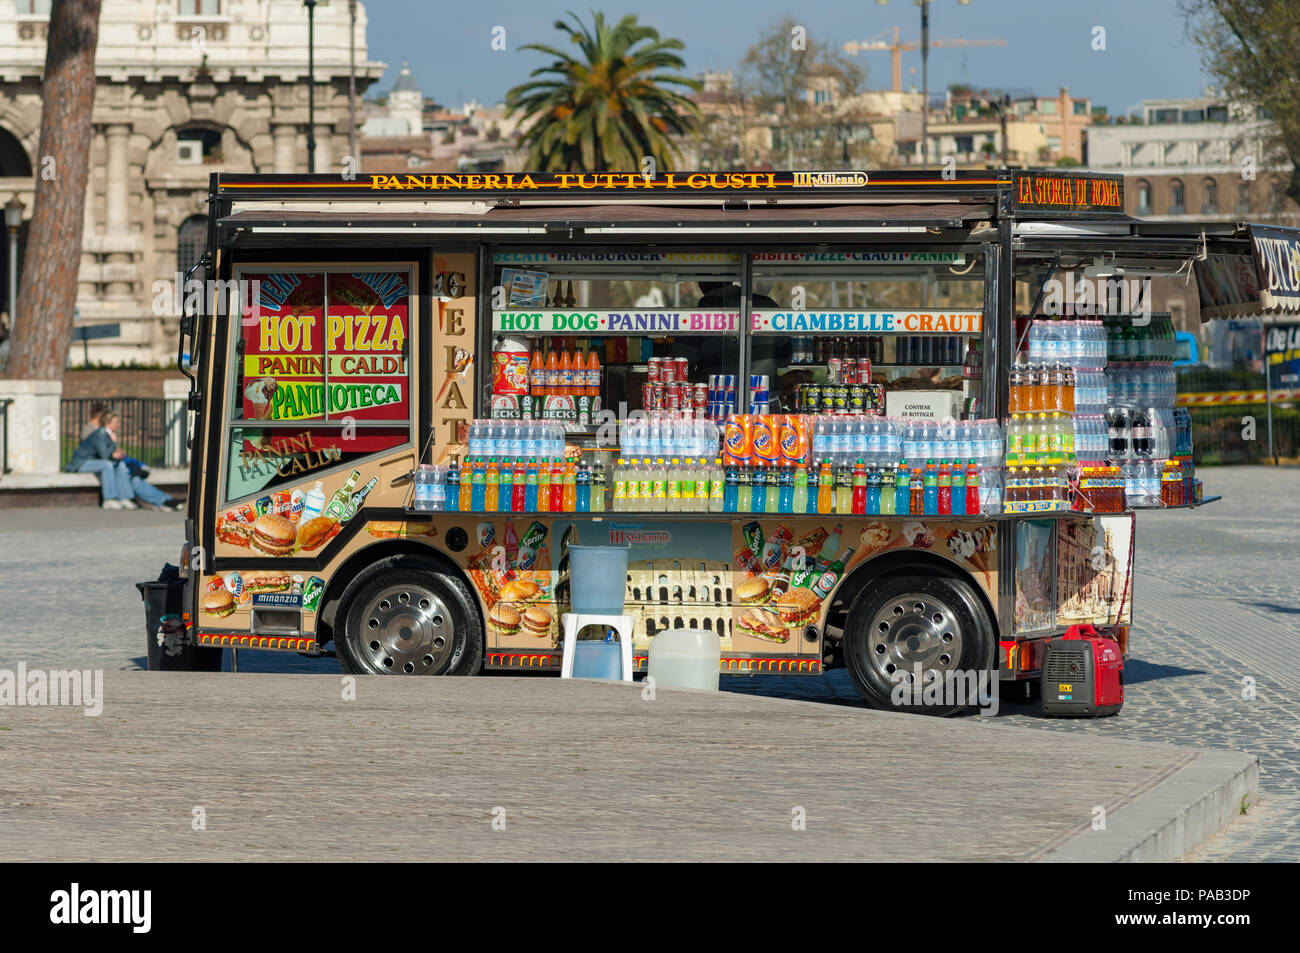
(1277,259)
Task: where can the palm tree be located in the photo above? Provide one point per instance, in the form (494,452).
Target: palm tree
(608,109)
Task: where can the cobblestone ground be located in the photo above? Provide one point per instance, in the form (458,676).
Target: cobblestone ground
(1217,599)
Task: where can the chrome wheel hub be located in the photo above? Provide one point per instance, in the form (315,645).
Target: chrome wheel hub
(406,630)
(913,630)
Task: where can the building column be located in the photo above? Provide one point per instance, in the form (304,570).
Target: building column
(324,157)
(286,141)
(116,195)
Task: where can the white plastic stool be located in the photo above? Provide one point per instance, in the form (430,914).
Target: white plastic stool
(575,622)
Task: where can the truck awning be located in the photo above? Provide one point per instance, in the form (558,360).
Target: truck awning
(1261,279)
(564,221)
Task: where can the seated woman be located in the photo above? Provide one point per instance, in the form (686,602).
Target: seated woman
(98,453)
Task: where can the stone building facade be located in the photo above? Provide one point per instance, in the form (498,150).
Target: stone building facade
(185,88)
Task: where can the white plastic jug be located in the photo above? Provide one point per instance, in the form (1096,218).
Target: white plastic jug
(685,658)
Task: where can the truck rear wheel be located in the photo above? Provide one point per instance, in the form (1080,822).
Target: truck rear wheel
(901,622)
(407,616)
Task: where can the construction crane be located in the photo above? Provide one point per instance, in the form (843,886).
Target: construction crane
(876,44)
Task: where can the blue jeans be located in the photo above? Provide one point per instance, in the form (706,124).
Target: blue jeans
(114,478)
(149,493)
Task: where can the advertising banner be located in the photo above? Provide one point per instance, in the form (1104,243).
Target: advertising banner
(1282,353)
(761,322)
(1277,259)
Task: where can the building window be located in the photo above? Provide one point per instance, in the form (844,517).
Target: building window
(1177,197)
(1081,107)
(965,143)
(1054,143)
(1217,114)
(206,147)
(1164,115)
(1192,115)
(1144,197)
(1243,198)
(207,8)
(1276,197)
(40,8)
(1047,107)
(190,241)
(1211,204)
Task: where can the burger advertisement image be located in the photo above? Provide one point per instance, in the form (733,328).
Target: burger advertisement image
(510,566)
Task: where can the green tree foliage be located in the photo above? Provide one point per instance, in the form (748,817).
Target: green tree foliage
(607,108)
(1250,46)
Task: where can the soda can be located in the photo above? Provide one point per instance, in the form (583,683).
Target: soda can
(487,535)
(864,370)
(312,591)
(699,396)
(858,403)
(215,583)
(235,583)
(840,393)
(683,368)
(296,499)
(812,398)
(834,371)
(652,370)
(753,536)
(746,560)
(672,395)
(264,506)
(243,513)
(280,501)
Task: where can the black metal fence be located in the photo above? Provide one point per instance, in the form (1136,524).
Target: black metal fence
(1238,433)
(4,435)
(141,433)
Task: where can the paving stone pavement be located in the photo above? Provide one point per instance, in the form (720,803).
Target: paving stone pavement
(1217,600)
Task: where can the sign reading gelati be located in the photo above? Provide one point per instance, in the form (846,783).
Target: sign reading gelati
(615,322)
(869,322)
(1068,192)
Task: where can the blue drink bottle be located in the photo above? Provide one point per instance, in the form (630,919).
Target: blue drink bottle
(758,499)
(731,490)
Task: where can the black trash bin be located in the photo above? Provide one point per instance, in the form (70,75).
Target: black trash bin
(165,598)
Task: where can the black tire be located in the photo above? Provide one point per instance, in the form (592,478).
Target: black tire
(899,621)
(409,616)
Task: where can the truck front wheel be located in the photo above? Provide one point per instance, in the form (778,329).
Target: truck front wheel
(920,644)
(408,616)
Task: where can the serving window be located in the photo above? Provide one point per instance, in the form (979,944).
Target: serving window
(906,325)
(573,333)
(321,374)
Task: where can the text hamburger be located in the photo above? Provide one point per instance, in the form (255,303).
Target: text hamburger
(504,619)
(537,622)
(219,603)
(797,608)
(753,592)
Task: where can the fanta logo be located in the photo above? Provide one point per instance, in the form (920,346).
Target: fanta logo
(762,439)
(735,440)
(789,440)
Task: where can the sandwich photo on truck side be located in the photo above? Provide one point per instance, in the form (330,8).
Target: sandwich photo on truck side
(794,401)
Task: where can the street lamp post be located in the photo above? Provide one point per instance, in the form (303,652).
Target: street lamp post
(13,219)
(311,84)
(352,86)
(925,78)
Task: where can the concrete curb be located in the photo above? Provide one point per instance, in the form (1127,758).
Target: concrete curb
(1206,796)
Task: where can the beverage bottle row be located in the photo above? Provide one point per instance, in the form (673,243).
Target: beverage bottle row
(843,439)
(1047,486)
(1140,433)
(1091,437)
(943,350)
(498,439)
(1142,385)
(1077,343)
(978,440)
(545,486)
(1041,387)
(1101,490)
(1040,439)
(819,349)
(661,437)
(564,374)
(1140,338)
(431,484)
(1091,390)
(668,485)
(1142,482)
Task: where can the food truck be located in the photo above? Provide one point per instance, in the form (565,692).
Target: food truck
(883,421)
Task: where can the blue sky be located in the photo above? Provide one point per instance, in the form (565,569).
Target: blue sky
(1048,41)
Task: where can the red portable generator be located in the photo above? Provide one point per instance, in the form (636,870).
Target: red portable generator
(1083,675)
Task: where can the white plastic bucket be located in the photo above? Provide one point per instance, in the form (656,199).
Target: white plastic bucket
(685,658)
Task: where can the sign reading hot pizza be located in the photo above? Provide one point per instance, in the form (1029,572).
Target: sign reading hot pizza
(326,345)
